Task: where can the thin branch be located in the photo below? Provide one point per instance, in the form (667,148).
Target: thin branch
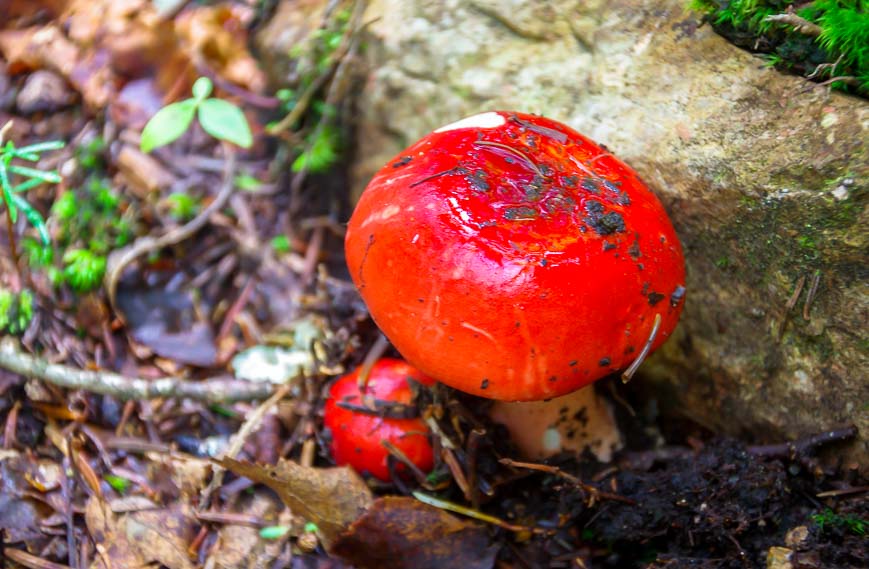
(120,258)
(253,421)
(800,25)
(108,383)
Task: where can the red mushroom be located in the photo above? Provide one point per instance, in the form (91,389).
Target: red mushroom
(510,257)
(358,432)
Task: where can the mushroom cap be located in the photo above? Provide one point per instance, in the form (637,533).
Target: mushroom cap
(357,435)
(510,257)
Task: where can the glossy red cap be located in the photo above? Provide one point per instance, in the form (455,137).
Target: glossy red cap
(509,256)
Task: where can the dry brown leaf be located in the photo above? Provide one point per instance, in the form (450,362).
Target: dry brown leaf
(110,539)
(241,545)
(332,498)
(217,37)
(21,477)
(46,47)
(163,535)
(403,533)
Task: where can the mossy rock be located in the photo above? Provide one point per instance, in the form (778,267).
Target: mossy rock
(765,176)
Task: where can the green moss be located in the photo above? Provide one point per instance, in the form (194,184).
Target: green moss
(841,50)
(16,311)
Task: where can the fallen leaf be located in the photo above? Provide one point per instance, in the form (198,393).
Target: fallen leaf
(332,498)
(240,545)
(140,538)
(402,533)
(166,322)
(21,475)
(216,36)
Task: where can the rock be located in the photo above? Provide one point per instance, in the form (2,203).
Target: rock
(779,558)
(44,91)
(765,176)
(289,27)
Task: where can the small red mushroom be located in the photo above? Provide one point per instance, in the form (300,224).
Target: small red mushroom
(358,432)
(510,257)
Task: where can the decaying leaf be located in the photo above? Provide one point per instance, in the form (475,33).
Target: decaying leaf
(215,35)
(403,533)
(22,476)
(240,545)
(167,322)
(332,498)
(141,538)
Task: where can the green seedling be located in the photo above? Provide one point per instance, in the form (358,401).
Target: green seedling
(182,206)
(16,311)
(219,118)
(16,179)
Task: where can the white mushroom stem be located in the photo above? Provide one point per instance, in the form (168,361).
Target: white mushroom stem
(574,422)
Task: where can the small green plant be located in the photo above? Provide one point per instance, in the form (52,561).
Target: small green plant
(182,206)
(16,311)
(304,102)
(119,483)
(91,220)
(828,518)
(823,40)
(281,244)
(29,179)
(219,118)
(321,152)
(83,269)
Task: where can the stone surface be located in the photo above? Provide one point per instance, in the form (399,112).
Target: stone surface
(44,91)
(765,177)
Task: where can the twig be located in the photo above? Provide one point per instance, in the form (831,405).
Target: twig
(810,296)
(569,477)
(647,347)
(32,561)
(238,441)
(125,388)
(792,301)
(459,509)
(120,258)
(849,80)
(800,25)
(806,445)
(335,58)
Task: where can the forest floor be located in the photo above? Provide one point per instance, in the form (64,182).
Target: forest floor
(221,271)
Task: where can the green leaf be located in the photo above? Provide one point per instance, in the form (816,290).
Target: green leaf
(202,89)
(33,216)
(247,183)
(28,185)
(321,154)
(223,120)
(40,147)
(7,192)
(168,124)
(281,244)
(47,177)
(273,532)
(119,483)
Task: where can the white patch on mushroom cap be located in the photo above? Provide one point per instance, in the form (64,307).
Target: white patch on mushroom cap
(490,119)
(382,215)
